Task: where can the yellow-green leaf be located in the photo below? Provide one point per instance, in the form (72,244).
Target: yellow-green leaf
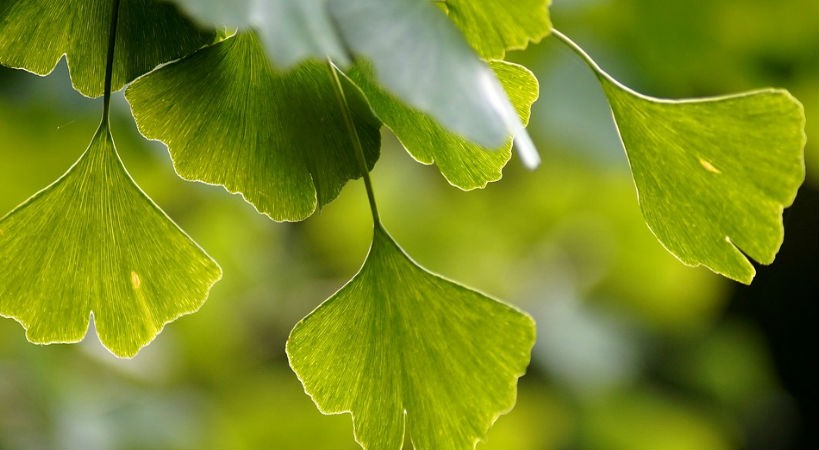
(492,27)
(416,53)
(35,34)
(464,164)
(229,117)
(421,57)
(713,175)
(93,243)
(408,352)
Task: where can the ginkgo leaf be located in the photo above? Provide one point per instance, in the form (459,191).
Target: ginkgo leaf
(35,34)
(290,30)
(463,163)
(94,243)
(229,117)
(418,55)
(713,175)
(406,351)
(493,27)
(421,57)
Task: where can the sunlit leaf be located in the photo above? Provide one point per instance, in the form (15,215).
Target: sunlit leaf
(417,53)
(493,27)
(406,351)
(35,34)
(94,243)
(229,117)
(463,163)
(713,175)
(421,57)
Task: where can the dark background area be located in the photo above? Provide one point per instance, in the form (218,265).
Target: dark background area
(782,302)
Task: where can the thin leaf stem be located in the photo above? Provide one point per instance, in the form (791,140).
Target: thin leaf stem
(578,50)
(109,62)
(601,74)
(358,150)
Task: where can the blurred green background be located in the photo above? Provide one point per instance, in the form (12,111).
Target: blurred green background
(635,351)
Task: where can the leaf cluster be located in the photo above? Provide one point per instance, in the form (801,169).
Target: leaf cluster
(283,102)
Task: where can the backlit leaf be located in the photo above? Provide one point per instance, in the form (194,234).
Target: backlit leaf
(493,27)
(94,243)
(406,351)
(35,34)
(417,53)
(229,117)
(421,57)
(463,163)
(713,175)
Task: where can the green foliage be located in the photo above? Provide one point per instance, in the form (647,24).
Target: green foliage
(492,28)
(463,163)
(417,54)
(93,243)
(704,202)
(276,137)
(405,351)
(401,348)
(427,63)
(703,170)
(37,33)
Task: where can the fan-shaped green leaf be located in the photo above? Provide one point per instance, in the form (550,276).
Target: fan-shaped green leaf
(94,243)
(713,175)
(228,117)
(417,54)
(404,350)
(464,164)
(493,27)
(35,34)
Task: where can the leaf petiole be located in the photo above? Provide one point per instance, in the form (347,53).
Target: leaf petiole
(359,151)
(109,62)
(601,74)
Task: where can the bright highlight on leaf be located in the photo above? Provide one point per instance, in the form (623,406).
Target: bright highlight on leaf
(94,243)
(229,117)
(291,30)
(493,27)
(464,164)
(406,351)
(713,175)
(422,58)
(417,54)
(35,34)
